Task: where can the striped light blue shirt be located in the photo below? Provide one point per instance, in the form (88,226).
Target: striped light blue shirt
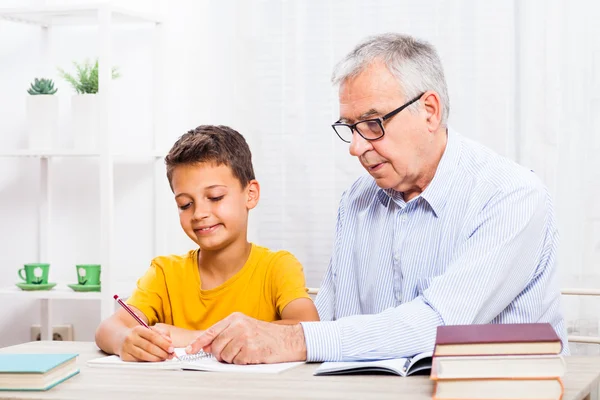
(477,246)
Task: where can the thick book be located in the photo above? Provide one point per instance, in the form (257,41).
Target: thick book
(198,362)
(35,371)
(421,363)
(496,339)
(504,389)
(507,367)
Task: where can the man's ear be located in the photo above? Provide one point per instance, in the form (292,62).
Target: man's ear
(433,107)
(252,194)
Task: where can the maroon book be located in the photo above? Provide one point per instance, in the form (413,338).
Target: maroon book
(495,339)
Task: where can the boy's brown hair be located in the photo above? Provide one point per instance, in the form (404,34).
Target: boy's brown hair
(216,144)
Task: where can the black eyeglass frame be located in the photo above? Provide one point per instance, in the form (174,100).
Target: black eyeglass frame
(379,120)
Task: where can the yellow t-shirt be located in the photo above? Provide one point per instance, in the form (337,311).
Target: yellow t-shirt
(170,291)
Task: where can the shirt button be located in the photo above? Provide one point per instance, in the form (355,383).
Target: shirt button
(404,217)
(396,257)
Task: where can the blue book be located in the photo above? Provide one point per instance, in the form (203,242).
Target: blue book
(36,371)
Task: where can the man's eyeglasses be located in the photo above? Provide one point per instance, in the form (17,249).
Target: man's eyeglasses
(369,129)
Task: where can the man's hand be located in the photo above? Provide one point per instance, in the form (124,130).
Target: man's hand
(239,339)
(143,344)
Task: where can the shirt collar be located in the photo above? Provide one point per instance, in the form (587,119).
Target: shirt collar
(436,193)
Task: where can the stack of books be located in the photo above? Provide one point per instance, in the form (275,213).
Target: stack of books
(35,371)
(498,361)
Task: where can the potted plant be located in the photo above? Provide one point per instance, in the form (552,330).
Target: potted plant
(84,103)
(41,114)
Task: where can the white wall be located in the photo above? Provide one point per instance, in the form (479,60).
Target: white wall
(521,77)
(558,130)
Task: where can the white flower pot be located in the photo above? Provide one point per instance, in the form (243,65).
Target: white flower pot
(42,121)
(84,113)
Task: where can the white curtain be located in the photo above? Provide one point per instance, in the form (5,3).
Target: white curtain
(523,80)
(558,59)
(266,68)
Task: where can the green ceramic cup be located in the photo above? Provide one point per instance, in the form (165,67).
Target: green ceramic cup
(35,273)
(88,274)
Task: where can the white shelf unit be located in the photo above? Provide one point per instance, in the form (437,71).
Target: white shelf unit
(60,292)
(75,153)
(105,16)
(76,14)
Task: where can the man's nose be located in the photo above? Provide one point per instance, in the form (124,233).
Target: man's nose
(359,145)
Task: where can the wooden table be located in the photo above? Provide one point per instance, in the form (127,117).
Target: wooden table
(581,381)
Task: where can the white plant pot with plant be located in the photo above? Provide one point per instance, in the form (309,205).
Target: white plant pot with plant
(84,104)
(41,110)
(84,121)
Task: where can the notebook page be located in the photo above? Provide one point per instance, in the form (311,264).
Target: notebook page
(181,354)
(116,362)
(206,362)
(200,362)
(396,366)
(420,362)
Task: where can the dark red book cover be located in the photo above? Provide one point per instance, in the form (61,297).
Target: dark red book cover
(495,333)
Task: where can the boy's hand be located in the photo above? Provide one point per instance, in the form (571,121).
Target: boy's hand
(163,329)
(180,337)
(143,344)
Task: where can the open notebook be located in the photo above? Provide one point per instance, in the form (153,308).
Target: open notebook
(200,362)
(399,366)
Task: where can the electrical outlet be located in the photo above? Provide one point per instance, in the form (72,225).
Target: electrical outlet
(59,332)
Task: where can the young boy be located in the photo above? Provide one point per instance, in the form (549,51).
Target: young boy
(211,175)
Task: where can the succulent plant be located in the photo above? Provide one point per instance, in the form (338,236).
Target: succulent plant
(86,78)
(42,86)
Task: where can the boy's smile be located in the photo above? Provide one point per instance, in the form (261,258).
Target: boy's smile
(206,230)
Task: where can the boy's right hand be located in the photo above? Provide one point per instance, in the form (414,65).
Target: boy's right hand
(143,344)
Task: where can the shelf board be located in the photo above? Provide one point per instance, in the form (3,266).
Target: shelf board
(138,155)
(80,14)
(57,293)
(47,153)
(78,153)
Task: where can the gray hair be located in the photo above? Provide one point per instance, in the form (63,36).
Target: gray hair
(414,63)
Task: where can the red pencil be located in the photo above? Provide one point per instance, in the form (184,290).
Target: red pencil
(130,311)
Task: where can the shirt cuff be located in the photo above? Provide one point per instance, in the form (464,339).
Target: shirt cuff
(323,341)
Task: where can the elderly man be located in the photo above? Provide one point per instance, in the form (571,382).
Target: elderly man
(441,231)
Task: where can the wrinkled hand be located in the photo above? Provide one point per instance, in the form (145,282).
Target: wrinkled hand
(239,339)
(143,344)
